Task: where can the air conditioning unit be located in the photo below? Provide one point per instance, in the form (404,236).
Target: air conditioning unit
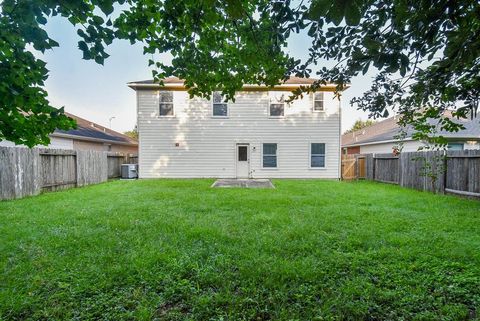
(129,171)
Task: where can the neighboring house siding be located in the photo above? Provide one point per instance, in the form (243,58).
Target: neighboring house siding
(99,146)
(124,149)
(61,143)
(55,142)
(408,146)
(472,144)
(207,146)
(69,143)
(87,145)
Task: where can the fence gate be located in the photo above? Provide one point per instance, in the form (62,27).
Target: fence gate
(348,167)
(361,166)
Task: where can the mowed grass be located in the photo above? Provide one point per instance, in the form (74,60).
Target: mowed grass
(180,250)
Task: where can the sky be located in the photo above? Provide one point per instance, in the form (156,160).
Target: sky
(97,92)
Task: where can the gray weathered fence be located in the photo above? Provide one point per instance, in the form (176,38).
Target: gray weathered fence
(132,159)
(452,171)
(25,172)
(115,161)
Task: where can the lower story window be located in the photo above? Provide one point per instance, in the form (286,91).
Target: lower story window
(269,155)
(317,155)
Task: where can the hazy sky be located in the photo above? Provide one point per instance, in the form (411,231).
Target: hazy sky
(97,92)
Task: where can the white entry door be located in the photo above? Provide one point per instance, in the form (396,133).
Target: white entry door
(243,160)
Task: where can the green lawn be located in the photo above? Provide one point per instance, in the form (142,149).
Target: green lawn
(180,250)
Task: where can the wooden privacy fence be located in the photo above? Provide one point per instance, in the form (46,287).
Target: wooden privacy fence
(25,172)
(455,172)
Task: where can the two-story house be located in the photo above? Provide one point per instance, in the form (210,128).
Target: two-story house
(259,135)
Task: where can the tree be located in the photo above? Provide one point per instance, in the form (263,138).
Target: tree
(360,124)
(426,53)
(26,116)
(132,133)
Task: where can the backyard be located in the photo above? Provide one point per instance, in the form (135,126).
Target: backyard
(180,250)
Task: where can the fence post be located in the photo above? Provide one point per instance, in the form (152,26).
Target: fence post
(76,168)
(373,167)
(400,168)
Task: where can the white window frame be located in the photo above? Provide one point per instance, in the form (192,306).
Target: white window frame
(273,95)
(455,143)
(223,103)
(310,156)
(276,155)
(313,102)
(159,102)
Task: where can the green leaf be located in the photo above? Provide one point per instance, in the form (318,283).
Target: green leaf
(82,45)
(41,20)
(336,12)
(318,9)
(365,68)
(371,44)
(98,20)
(106,6)
(353,15)
(99,60)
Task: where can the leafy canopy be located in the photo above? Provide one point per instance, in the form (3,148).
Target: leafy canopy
(26,116)
(132,133)
(360,124)
(426,53)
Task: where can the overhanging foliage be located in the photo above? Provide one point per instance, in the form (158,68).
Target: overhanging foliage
(426,52)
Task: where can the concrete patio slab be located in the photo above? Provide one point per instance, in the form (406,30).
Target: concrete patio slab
(245,183)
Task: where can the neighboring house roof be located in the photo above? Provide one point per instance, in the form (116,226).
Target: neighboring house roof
(174,82)
(90,131)
(387,130)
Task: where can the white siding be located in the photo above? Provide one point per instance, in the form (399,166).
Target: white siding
(7,143)
(408,146)
(207,146)
(471,145)
(55,142)
(61,143)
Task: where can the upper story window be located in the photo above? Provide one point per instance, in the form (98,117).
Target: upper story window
(317,155)
(219,106)
(277,105)
(318,101)
(166,103)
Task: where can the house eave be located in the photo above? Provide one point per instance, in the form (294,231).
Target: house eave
(377,142)
(181,87)
(91,139)
(450,138)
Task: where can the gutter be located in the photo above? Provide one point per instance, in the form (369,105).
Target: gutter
(91,139)
(378,142)
(451,138)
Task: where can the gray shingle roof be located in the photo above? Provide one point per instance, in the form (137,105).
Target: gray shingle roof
(89,130)
(387,129)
